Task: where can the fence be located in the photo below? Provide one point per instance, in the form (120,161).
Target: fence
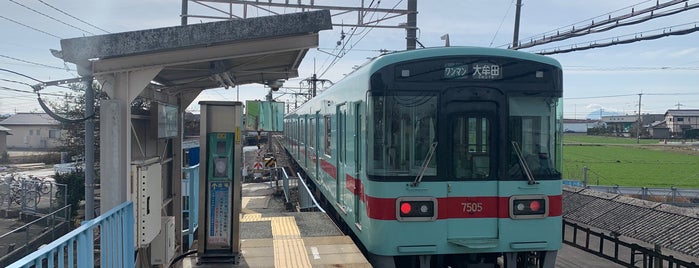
(295,190)
(190,201)
(115,232)
(22,240)
(673,195)
(615,250)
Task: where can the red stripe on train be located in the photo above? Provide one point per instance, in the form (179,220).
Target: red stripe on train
(448,207)
(328,168)
(458,207)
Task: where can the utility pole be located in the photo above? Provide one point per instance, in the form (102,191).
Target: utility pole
(89,150)
(183,17)
(515,36)
(638,128)
(314,80)
(411,31)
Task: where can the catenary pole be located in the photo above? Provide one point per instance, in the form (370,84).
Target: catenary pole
(515,36)
(89,150)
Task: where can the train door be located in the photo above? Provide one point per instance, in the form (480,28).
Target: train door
(316,146)
(357,185)
(341,152)
(472,189)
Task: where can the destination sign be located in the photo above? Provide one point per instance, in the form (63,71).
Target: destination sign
(475,71)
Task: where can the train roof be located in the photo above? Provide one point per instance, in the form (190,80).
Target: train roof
(407,55)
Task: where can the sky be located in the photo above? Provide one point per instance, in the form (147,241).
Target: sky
(665,71)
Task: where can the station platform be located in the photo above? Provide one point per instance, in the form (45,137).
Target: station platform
(272,237)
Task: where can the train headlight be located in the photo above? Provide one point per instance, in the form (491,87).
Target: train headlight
(416,208)
(529,206)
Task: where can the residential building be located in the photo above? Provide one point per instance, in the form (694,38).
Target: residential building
(659,130)
(623,124)
(579,125)
(679,121)
(32,131)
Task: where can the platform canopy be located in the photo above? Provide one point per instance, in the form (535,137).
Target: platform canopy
(205,55)
(171,66)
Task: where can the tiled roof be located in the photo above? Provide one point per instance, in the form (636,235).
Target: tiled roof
(29,119)
(655,223)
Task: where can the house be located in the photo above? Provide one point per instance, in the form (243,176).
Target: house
(624,124)
(3,138)
(659,130)
(32,131)
(579,125)
(679,121)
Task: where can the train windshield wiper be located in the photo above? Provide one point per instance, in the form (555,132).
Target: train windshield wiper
(523,164)
(428,158)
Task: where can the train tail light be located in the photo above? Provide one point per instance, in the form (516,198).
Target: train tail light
(416,209)
(529,206)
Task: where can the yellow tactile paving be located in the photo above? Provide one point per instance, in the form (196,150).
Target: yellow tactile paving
(289,248)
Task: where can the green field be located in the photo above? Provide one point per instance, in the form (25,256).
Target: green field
(619,161)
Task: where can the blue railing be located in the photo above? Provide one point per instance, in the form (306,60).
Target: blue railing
(115,231)
(190,191)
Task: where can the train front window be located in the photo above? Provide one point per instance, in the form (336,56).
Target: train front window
(532,130)
(471,159)
(401,130)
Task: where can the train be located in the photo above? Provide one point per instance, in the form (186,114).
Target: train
(440,157)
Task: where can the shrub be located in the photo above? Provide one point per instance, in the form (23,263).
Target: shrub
(4,158)
(74,188)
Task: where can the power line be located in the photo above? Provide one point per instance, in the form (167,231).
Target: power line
(628,68)
(73,16)
(21,74)
(34,63)
(30,92)
(30,27)
(557,30)
(666,31)
(360,39)
(501,22)
(45,15)
(628,95)
(610,23)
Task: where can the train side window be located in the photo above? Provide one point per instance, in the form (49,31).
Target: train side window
(328,129)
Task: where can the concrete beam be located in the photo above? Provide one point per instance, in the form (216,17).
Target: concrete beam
(79,50)
(205,54)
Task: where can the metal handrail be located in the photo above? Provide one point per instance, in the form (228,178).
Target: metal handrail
(22,228)
(581,238)
(76,249)
(308,191)
(192,181)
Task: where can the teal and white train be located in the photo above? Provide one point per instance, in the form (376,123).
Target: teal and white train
(441,157)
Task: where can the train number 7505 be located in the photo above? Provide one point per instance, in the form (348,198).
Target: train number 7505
(472,207)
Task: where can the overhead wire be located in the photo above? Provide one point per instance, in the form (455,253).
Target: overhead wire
(607,24)
(360,39)
(501,22)
(344,42)
(69,15)
(666,31)
(550,32)
(30,27)
(50,17)
(34,63)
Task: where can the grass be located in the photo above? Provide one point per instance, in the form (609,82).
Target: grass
(619,161)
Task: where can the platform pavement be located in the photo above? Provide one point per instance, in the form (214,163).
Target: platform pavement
(272,237)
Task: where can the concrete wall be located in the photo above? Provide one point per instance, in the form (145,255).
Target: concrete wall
(32,137)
